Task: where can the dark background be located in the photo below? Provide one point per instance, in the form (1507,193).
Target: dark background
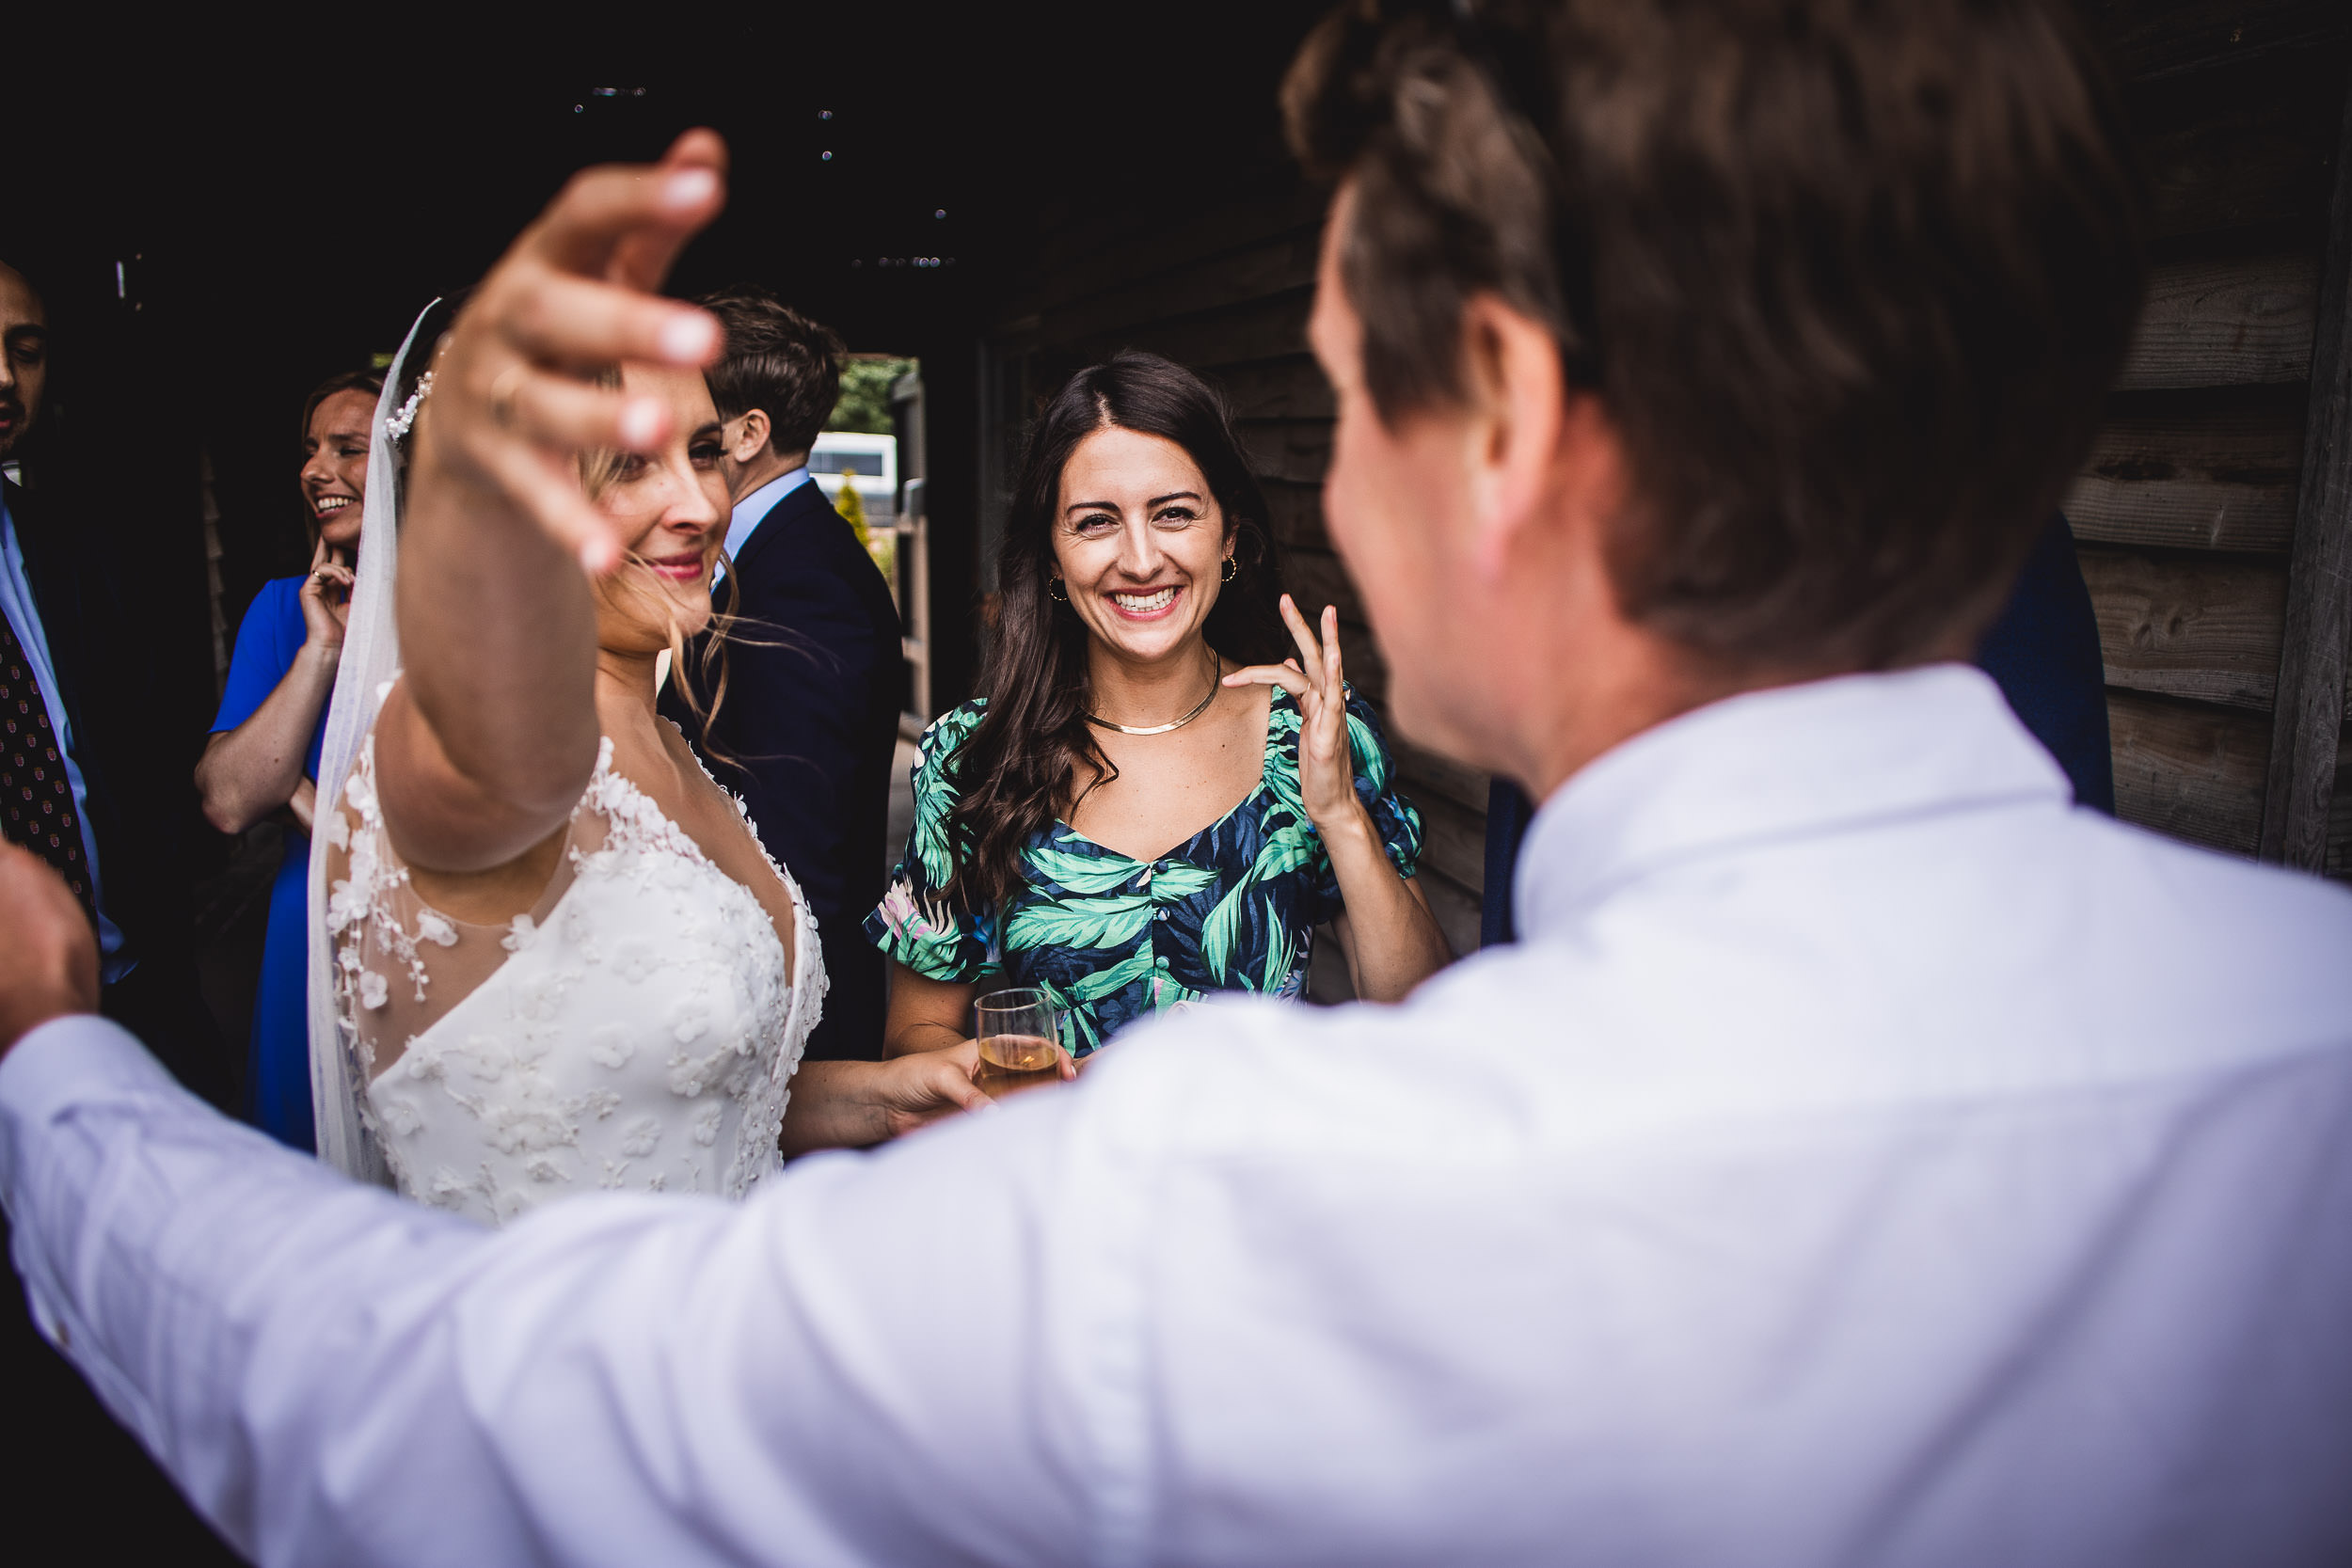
(269,232)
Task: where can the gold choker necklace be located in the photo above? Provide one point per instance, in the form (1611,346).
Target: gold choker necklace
(1200,708)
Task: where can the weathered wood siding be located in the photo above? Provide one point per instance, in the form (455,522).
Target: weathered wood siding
(2186,515)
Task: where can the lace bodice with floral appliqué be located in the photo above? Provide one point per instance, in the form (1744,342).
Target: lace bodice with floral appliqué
(635,1029)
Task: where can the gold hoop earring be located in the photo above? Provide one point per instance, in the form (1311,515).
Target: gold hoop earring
(1233,569)
(1054,591)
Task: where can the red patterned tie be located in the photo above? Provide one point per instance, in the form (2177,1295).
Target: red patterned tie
(36,800)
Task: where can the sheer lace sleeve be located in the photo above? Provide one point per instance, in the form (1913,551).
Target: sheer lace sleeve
(636,1027)
(401,965)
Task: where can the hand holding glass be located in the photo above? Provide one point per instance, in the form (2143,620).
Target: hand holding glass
(1018,1033)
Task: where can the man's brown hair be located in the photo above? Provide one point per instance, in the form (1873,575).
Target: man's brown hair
(1851,278)
(776,360)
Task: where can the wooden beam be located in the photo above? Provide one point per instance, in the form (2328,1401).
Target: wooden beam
(1453,840)
(1456,908)
(2151,38)
(2307,723)
(2245,151)
(2189,771)
(2182,514)
(1291,388)
(1297,450)
(1271,327)
(2229,322)
(2203,469)
(2189,625)
(1148,245)
(1432,774)
(1295,516)
(1210,283)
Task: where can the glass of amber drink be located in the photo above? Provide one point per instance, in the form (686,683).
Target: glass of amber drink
(1019,1036)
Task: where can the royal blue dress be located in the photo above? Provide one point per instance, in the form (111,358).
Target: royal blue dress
(278,1061)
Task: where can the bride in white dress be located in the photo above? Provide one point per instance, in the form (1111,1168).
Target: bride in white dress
(557,958)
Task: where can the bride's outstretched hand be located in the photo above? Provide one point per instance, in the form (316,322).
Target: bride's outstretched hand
(1326,769)
(514,399)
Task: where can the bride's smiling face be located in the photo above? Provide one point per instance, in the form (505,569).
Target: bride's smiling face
(670,508)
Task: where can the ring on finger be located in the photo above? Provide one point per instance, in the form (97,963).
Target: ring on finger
(502,390)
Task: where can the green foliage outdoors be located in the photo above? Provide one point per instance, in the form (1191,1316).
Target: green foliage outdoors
(852,509)
(866,395)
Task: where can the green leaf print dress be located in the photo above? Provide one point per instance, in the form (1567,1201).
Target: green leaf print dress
(1114,938)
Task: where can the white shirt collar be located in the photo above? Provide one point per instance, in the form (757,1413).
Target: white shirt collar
(1779,764)
(749,511)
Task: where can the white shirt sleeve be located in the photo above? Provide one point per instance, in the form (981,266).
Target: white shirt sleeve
(334,1374)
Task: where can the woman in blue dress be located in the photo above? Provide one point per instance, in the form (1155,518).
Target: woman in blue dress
(1150,803)
(263,753)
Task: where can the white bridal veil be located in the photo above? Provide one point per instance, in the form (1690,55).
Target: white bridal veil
(371,659)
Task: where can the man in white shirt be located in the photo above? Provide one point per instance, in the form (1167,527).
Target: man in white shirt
(1864,1156)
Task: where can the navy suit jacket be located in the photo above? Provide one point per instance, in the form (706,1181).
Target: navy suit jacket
(806,732)
(138,786)
(2043,651)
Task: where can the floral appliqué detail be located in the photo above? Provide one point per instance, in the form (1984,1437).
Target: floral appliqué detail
(643,1011)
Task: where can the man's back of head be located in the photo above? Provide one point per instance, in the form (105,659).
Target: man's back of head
(780,375)
(1843,283)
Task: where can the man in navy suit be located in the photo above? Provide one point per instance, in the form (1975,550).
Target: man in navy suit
(74,677)
(809,717)
(57,613)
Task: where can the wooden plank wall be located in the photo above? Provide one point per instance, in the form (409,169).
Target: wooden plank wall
(2184,513)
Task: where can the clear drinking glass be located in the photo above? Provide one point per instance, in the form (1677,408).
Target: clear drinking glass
(1019,1036)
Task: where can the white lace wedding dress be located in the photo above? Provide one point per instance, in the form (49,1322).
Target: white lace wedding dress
(636,1029)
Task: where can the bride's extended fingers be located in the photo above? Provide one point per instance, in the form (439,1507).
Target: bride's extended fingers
(573,322)
(643,256)
(556,411)
(583,227)
(545,486)
(1332,673)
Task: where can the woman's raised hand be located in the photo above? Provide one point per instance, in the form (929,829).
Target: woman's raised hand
(512,400)
(1327,768)
(325,597)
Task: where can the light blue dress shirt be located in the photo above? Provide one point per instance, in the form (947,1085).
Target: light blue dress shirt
(752,509)
(16,602)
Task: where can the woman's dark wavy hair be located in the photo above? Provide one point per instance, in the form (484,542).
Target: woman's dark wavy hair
(1016,773)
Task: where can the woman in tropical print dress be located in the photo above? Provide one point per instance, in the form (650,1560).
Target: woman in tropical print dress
(1152,802)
